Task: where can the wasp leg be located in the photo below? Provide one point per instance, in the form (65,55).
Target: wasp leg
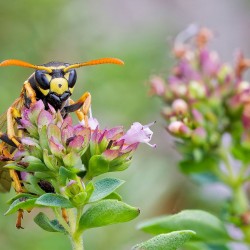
(11,114)
(19,219)
(64,215)
(30,92)
(85,100)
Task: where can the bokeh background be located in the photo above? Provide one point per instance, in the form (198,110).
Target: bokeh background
(141,33)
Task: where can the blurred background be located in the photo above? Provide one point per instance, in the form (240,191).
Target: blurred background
(140,32)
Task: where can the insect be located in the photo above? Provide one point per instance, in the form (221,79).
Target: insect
(53,83)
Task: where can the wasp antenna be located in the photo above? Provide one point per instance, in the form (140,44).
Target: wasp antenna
(15,62)
(94,62)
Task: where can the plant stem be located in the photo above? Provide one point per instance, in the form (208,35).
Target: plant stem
(77,242)
(76,239)
(235,181)
(61,220)
(71,227)
(239,200)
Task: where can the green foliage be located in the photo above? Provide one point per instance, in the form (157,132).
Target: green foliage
(169,241)
(54,200)
(97,165)
(207,227)
(21,203)
(48,225)
(107,212)
(104,188)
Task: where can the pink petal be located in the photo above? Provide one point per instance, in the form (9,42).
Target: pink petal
(44,118)
(54,131)
(77,142)
(55,147)
(67,133)
(93,123)
(114,133)
(111,154)
(67,122)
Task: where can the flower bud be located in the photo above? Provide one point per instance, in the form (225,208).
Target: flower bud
(196,90)
(79,199)
(242,86)
(224,73)
(179,128)
(157,86)
(214,138)
(73,188)
(199,136)
(197,116)
(179,106)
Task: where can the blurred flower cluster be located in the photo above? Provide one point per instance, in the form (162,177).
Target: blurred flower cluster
(204,100)
(207,111)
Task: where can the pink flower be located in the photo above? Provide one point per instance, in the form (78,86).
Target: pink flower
(139,133)
(158,86)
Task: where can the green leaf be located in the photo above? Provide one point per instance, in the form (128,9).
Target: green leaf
(21,195)
(51,226)
(104,187)
(207,164)
(21,203)
(43,138)
(72,160)
(89,190)
(170,241)
(64,175)
(97,165)
(107,212)
(121,167)
(14,166)
(50,160)
(207,226)
(32,185)
(54,200)
(114,196)
(35,164)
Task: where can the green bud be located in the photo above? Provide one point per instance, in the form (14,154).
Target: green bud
(214,138)
(73,188)
(199,136)
(196,90)
(79,199)
(223,73)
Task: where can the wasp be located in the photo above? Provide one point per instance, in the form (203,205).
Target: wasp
(53,83)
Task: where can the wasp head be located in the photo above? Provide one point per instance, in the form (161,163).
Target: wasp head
(56,85)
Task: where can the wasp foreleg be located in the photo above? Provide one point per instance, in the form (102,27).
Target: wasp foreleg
(30,92)
(85,101)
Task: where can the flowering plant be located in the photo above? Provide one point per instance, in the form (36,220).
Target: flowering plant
(206,108)
(57,164)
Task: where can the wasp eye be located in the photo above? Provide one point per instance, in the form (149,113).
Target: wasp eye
(43,79)
(72,78)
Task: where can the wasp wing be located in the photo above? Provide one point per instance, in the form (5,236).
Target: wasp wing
(5,179)
(18,104)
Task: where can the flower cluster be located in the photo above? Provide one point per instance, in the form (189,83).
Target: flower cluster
(57,161)
(54,142)
(205,98)
(207,108)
